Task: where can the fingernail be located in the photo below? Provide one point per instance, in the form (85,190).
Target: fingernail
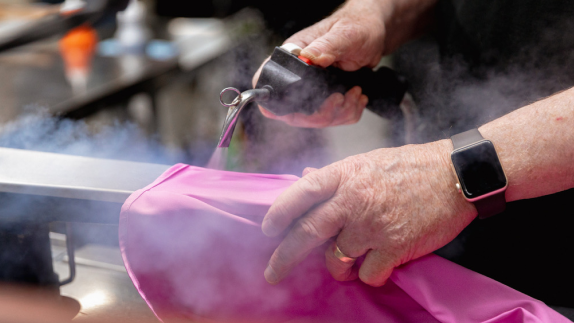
(270,275)
(311,52)
(364,100)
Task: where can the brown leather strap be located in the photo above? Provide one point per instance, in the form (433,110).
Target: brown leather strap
(487,206)
(466,138)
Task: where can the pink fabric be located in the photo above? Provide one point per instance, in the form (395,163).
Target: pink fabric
(192,244)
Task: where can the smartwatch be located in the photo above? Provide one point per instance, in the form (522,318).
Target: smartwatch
(481,178)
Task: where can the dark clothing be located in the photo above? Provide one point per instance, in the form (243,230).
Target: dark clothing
(528,33)
(485,59)
(282,17)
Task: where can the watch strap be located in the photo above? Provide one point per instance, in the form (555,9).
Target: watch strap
(490,205)
(466,138)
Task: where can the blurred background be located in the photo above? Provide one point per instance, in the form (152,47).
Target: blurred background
(134,81)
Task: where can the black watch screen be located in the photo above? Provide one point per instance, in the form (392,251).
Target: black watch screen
(478,168)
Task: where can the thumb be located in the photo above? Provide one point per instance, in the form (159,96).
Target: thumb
(327,49)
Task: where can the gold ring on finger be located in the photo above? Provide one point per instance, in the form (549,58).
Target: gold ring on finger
(341,256)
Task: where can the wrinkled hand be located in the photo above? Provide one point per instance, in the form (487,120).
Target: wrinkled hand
(351,38)
(391,205)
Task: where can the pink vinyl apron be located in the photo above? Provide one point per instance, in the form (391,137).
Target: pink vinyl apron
(193,247)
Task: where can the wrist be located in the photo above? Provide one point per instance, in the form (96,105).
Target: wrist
(506,159)
(448,180)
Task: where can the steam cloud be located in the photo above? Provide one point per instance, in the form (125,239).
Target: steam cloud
(120,140)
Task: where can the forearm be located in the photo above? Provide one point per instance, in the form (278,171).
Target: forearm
(536,146)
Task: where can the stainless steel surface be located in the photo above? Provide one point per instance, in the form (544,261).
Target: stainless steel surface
(234,110)
(65,176)
(104,294)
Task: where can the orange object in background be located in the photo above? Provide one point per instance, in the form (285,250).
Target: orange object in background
(77,48)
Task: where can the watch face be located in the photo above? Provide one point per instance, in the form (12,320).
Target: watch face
(478,169)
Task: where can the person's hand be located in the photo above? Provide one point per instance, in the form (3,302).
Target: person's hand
(351,38)
(390,205)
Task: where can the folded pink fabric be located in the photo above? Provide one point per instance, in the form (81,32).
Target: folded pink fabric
(192,244)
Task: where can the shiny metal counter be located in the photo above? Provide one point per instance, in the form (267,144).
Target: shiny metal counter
(55,187)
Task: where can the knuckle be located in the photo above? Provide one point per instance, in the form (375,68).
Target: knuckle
(326,44)
(310,230)
(281,258)
(276,261)
(280,211)
(353,164)
(274,220)
(350,31)
(280,263)
(312,185)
